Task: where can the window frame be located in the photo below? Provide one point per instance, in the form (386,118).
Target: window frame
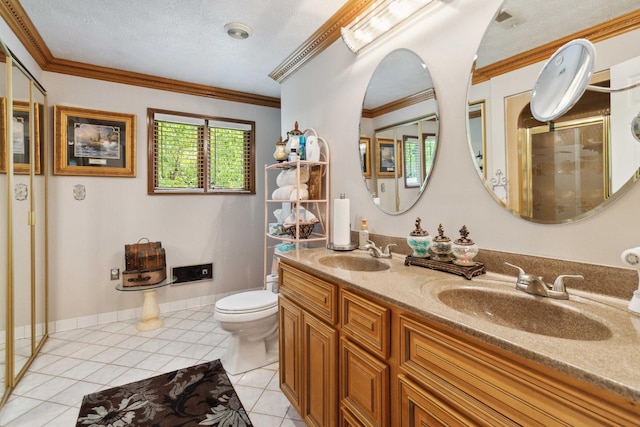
(203,150)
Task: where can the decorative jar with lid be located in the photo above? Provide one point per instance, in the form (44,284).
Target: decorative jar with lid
(464,249)
(419,240)
(280,154)
(441,246)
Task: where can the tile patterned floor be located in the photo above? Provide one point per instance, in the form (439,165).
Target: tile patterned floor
(83,361)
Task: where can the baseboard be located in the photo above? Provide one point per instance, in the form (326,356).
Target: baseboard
(130,314)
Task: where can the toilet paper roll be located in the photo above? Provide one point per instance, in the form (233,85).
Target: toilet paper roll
(631,257)
(341,225)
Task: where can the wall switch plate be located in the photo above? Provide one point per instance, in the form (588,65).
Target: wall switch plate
(115,273)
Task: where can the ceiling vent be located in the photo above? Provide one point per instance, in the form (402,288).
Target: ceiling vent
(506,19)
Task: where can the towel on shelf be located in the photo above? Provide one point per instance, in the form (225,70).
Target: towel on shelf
(289,192)
(288,177)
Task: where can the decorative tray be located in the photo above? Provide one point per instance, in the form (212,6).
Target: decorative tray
(467,271)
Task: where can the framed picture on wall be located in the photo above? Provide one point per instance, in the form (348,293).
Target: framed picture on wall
(21,139)
(94,143)
(388,158)
(365,156)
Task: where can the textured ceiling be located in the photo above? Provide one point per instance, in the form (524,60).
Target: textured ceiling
(182,39)
(544,21)
(185,39)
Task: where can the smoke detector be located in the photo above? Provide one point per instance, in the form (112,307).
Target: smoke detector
(238,30)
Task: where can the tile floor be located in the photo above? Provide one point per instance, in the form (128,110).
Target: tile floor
(83,361)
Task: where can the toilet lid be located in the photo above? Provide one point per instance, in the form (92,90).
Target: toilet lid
(247,302)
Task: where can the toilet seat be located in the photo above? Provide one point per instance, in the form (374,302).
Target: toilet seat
(247,302)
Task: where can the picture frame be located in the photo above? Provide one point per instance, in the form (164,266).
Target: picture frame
(388,158)
(365,156)
(94,143)
(22,138)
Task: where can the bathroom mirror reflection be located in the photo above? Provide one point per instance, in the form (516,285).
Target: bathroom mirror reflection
(575,165)
(23,174)
(21,245)
(4,249)
(399,130)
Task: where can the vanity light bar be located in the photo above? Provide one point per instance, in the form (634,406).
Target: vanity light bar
(380,17)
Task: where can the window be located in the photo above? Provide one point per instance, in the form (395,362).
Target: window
(194,154)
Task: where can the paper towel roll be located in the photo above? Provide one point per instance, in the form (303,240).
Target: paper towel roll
(341,225)
(631,257)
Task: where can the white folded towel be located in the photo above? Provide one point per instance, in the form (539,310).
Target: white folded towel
(302,194)
(285,193)
(288,177)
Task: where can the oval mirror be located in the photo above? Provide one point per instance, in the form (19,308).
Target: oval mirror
(399,130)
(570,167)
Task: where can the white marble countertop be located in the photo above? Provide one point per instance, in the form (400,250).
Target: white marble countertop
(612,364)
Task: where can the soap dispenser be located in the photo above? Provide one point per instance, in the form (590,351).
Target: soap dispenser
(419,240)
(364,234)
(464,249)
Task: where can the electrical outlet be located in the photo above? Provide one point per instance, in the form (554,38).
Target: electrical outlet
(115,273)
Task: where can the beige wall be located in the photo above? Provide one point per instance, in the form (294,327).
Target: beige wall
(327,94)
(87,238)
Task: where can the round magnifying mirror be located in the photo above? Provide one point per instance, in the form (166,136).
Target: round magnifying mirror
(399,129)
(563,80)
(566,153)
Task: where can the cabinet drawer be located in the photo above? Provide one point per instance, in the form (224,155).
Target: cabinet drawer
(421,406)
(364,385)
(313,294)
(365,322)
(517,388)
(347,419)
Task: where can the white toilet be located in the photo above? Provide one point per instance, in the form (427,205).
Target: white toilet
(252,319)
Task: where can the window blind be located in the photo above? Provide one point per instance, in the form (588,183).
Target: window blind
(197,154)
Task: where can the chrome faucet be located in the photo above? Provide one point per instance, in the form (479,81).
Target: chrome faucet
(377,252)
(535,285)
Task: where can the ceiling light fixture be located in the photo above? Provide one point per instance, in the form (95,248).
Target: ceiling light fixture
(380,17)
(238,30)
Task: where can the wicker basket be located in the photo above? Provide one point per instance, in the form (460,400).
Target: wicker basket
(306,228)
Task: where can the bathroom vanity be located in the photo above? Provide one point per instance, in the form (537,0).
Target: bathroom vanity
(371,342)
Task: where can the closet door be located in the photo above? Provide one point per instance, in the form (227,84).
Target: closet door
(4,235)
(39,208)
(21,218)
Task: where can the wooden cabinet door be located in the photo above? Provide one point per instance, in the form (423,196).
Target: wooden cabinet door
(319,372)
(364,384)
(289,318)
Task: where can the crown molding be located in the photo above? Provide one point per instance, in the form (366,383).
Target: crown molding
(89,71)
(17,19)
(328,33)
(399,103)
(606,30)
